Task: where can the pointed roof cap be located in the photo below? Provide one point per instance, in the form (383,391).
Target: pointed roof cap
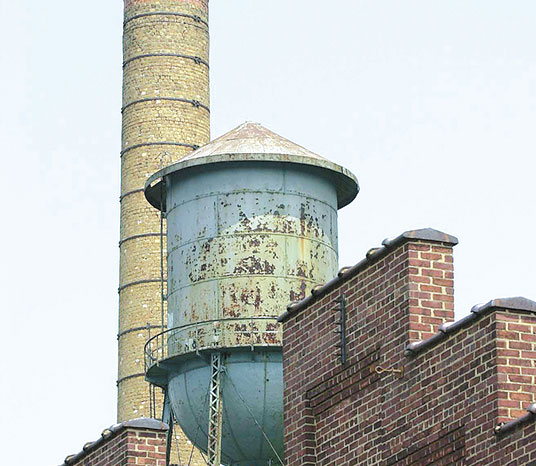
(251,142)
(249,138)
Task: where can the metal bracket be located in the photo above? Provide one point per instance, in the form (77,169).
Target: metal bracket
(398,372)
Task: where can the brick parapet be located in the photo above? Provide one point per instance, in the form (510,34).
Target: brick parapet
(516,363)
(431,293)
(140,441)
(438,405)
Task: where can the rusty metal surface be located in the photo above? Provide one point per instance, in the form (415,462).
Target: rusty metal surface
(243,242)
(213,334)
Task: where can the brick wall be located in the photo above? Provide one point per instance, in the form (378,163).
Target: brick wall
(437,402)
(137,442)
(516,363)
(431,289)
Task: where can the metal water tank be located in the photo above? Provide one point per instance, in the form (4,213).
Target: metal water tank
(251,226)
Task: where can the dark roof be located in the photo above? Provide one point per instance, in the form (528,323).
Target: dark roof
(112,431)
(424,234)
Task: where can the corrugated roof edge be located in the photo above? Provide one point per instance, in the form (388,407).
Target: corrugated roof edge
(516,304)
(344,274)
(112,431)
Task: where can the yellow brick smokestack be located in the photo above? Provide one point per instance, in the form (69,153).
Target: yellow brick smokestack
(165,117)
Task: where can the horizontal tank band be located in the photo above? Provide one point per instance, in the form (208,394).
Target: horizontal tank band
(194,103)
(143,235)
(197,19)
(247,191)
(254,233)
(139,282)
(160,143)
(247,234)
(134,191)
(137,329)
(243,275)
(132,376)
(197,60)
(346,183)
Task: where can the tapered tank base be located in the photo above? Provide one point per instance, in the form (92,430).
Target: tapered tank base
(252,396)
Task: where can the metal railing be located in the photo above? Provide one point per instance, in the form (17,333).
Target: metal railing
(207,334)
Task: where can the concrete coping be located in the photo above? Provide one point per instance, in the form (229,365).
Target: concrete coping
(479,310)
(374,254)
(142,423)
(508,427)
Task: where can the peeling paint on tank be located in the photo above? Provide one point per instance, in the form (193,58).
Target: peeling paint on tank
(298,296)
(244,254)
(253,265)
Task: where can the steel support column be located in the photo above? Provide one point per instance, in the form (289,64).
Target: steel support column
(215,411)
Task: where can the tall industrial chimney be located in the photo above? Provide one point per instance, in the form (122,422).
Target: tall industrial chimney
(165,117)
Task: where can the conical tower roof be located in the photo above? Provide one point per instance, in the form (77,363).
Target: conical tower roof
(251,142)
(251,138)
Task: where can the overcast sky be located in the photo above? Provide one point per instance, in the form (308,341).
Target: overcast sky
(432,104)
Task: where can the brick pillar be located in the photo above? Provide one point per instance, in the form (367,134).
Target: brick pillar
(515,325)
(136,442)
(165,117)
(431,283)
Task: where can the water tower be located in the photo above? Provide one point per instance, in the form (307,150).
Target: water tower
(251,226)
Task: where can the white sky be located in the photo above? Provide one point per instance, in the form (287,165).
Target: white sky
(432,104)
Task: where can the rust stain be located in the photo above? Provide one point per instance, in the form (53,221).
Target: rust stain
(254,265)
(258,299)
(294,296)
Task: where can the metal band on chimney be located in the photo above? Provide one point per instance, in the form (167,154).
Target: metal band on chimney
(159,143)
(197,60)
(138,282)
(194,103)
(137,329)
(122,379)
(197,19)
(144,235)
(129,193)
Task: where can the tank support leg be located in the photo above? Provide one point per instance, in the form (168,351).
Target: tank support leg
(215,411)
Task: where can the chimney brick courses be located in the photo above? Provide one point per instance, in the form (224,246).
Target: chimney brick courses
(165,117)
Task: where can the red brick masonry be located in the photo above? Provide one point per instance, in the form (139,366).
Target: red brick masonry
(137,442)
(412,391)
